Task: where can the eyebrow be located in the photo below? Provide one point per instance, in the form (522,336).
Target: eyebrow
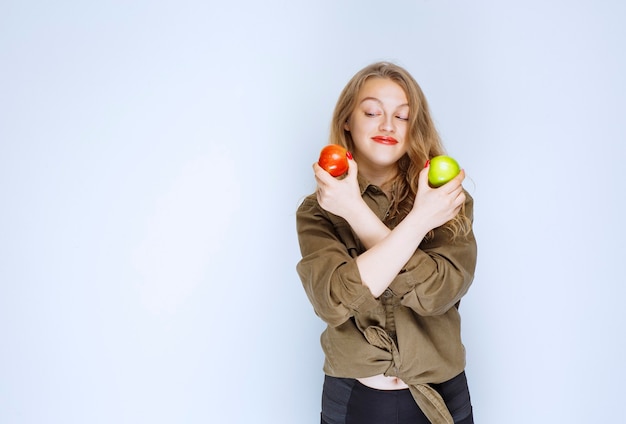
(379,102)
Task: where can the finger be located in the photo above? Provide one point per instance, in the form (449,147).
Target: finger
(454,184)
(459,178)
(353,168)
(316,172)
(460,199)
(458,196)
(321,175)
(457,203)
(422,180)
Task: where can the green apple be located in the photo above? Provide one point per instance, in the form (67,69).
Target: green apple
(442,169)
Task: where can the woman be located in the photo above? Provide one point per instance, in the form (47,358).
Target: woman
(386,260)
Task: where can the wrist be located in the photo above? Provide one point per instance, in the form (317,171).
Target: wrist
(417,223)
(355,213)
(366,225)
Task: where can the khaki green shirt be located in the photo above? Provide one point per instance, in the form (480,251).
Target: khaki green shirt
(413,330)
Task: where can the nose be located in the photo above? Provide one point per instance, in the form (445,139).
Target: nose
(386,123)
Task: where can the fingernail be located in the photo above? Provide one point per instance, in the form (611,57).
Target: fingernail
(349,155)
(427,163)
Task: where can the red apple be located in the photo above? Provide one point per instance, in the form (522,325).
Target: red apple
(334,160)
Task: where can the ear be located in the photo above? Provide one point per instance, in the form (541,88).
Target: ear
(346,126)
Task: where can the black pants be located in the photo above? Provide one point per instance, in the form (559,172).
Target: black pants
(346,401)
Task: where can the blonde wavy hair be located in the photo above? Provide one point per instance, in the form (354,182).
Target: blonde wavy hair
(424,140)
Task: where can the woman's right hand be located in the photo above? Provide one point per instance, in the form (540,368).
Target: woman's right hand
(436,206)
(339,196)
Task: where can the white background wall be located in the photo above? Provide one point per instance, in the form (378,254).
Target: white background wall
(152,155)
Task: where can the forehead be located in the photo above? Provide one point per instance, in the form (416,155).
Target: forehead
(382,90)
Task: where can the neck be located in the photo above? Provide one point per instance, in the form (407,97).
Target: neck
(379,177)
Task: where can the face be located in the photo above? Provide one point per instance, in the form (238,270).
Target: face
(378,126)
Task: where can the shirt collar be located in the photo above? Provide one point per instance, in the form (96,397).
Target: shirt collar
(364,185)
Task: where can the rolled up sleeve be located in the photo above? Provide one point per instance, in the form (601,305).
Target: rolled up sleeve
(440,271)
(328,269)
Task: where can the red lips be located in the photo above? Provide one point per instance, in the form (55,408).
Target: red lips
(385,140)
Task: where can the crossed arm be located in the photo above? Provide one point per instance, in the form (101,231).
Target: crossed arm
(393,248)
